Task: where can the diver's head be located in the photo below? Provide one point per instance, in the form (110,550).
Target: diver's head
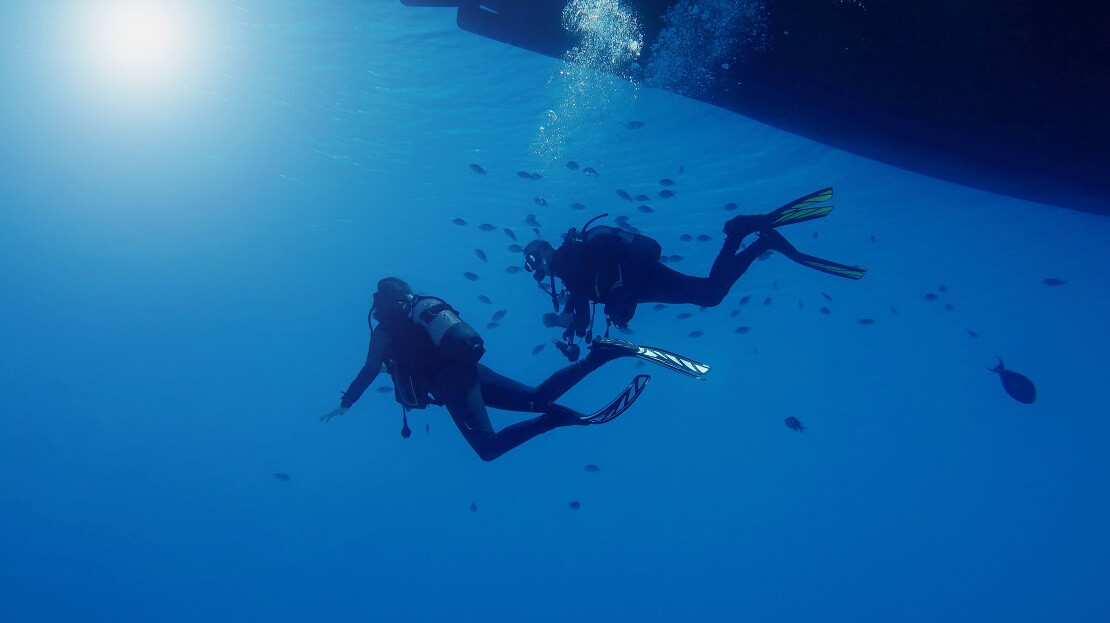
(537,258)
(391,299)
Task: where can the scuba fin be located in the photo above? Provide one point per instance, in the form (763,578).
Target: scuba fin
(800,210)
(671,361)
(827,266)
(621,403)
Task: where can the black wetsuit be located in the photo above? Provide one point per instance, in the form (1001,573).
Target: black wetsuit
(467,389)
(621,270)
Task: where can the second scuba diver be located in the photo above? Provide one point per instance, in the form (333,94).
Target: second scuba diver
(433,357)
(621,269)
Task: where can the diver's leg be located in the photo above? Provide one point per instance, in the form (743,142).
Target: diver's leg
(501,392)
(666,285)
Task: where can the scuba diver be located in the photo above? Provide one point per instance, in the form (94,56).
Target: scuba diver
(621,269)
(433,358)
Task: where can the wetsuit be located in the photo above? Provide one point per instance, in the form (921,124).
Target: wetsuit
(467,389)
(620,270)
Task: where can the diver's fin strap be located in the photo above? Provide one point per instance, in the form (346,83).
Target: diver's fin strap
(673,361)
(827,266)
(621,403)
(800,210)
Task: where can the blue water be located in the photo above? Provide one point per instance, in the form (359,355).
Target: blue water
(185,282)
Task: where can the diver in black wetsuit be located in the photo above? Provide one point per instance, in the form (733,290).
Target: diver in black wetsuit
(451,374)
(621,269)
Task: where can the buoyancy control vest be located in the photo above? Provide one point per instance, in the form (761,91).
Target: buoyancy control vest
(454,339)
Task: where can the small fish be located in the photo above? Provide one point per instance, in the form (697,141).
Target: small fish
(515,248)
(487,227)
(801,305)
(572,165)
(514,269)
(509,232)
(893,311)
(623,194)
(635,125)
(666,181)
(704,237)
(1018,386)
(471,276)
(734,313)
(531,221)
(814,235)
(646,209)
(593,469)
(499,315)
(825,310)
(282,476)
(384,389)
(666,193)
(481,255)
(574,505)
(642,198)
(492,325)
(473,507)
(872,238)
(590,171)
(621,219)
(681,170)
(540,201)
(775,285)
(686,237)
(458,221)
(524,175)
(742,330)
(537,176)
(538,349)
(658,307)
(485,299)
(744,300)
(973,334)
(930,297)
(942,288)
(676,258)
(827,297)
(729,207)
(948,307)
(695,333)
(477,168)
(794,423)
(866,321)
(766,301)
(577,206)
(684,315)
(1053,281)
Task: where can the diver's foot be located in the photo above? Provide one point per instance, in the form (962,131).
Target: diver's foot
(606,349)
(558,416)
(743,225)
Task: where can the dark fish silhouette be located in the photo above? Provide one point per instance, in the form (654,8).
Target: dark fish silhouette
(681,170)
(766,301)
(538,349)
(623,194)
(515,248)
(866,321)
(487,227)
(574,505)
(744,300)
(477,168)
(742,330)
(593,469)
(686,237)
(642,198)
(1053,281)
(794,423)
(892,310)
(531,221)
(383,389)
(666,193)
(872,238)
(524,175)
(473,507)
(514,269)
(684,315)
(704,237)
(537,176)
(577,206)
(471,276)
(485,299)
(948,307)
(825,310)
(729,207)
(658,306)
(499,315)
(492,325)
(676,258)
(572,165)
(282,476)
(666,181)
(930,297)
(827,297)
(509,232)
(942,288)
(815,235)
(540,201)
(645,209)
(801,305)
(734,313)
(481,255)
(696,333)
(635,125)
(590,171)
(1017,385)
(973,334)
(459,221)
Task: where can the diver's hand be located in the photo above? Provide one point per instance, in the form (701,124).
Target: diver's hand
(334,412)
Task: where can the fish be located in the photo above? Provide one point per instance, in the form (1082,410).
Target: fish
(477,168)
(513,269)
(666,181)
(741,330)
(538,349)
(766,301)
(775,285)
(590,171)
(695,333)
(574,505)
(593,469)
(814,235)
(642,198)
(645,209)
(515,248)
(1017,385)
(384,389)
(676,258)
(729,207)
(458,221)
(801,305)
(1053,281)
(866,321)
(471,276)
(658,307)
(734,313)
(282,476)
(531,221)
(973,334)
(666,193)
(623,194)
(686,237)
(681,170)
(684,315)
(540,201)
(485,299)
(930,297)
(825,310)
(744,300)
(524,175)
(577,206)
(508,232)
(872,238)
(537,176)
(499,315)
(948,307)
(827,297)
(492,324)
(794,423)
(473,507)
(621,219)
(635,125)
(487,227)
(942,288)
(572,165)
(481,255)
(892,310)
(704,237)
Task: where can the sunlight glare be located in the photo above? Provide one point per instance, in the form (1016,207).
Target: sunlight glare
(140,42)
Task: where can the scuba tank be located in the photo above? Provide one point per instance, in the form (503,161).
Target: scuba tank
(453,338)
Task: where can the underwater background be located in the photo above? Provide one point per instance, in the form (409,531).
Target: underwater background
(185,277)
